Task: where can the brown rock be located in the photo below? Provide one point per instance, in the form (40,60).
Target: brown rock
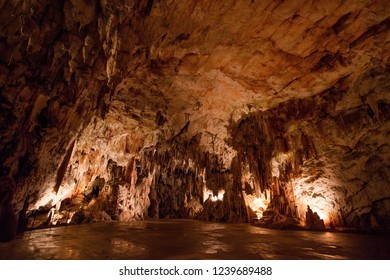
(167,100)
(313,221)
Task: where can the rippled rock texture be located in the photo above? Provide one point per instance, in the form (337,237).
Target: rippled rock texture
(214,110)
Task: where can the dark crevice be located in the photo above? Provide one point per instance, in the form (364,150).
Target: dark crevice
(341,24)
(148,8)
(383,26)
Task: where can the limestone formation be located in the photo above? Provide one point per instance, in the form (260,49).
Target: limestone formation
(313,221)
(216,110)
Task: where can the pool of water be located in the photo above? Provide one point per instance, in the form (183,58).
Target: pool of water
(188,239)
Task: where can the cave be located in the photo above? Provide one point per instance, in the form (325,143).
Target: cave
(170,118)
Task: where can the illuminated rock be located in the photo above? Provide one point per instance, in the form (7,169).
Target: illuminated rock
(313,221)
(271,218)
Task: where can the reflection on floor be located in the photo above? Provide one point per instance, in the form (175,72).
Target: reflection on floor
(187,239)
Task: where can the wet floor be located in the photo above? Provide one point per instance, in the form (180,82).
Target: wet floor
(187,239)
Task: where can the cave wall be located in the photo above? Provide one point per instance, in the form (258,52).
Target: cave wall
(52,82)
(133,109)
(172,180)
(325,151)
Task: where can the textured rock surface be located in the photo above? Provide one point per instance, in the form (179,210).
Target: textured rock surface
(201,109)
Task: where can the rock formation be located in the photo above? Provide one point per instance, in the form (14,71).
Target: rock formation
(8,224)
(313,221)
(215,110)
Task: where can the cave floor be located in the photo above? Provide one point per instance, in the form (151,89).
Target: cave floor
(187,239)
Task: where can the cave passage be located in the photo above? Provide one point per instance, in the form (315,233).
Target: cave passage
(274,114)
